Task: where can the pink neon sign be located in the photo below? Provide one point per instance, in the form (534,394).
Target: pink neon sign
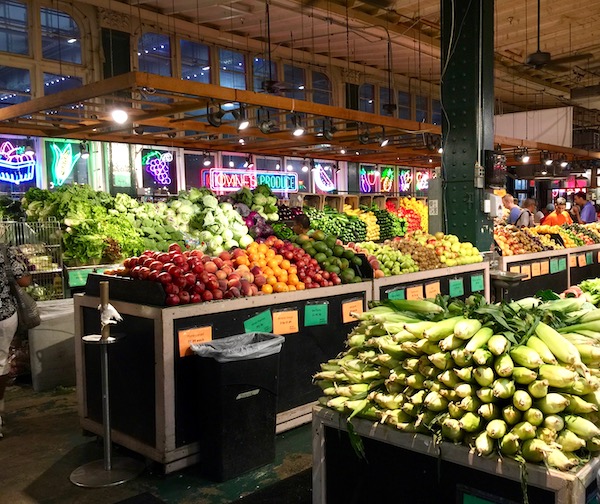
(16,165)
(229,180)
(405,180)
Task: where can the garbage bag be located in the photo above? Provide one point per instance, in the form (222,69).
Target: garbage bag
(240,347)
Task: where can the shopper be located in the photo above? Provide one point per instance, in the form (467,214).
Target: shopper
(547,211)
(527,217)
(8,311)
(584,211)
(301,224)
(560,215)
(514,211)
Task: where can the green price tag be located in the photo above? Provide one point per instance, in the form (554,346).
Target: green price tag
(316,314)
(562,264)
(396,294)
(554,266)
(78,278)
(477,283)
(263,322)
(589,258)
(456,287)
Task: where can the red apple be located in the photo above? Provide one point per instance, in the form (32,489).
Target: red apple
(225,256)
(171,288)
(199,287)
(211,267)
(184,297)
(172,300)
(218,294)
(221,275)
(195,297)
(174,247)
(207,295)
(219,262)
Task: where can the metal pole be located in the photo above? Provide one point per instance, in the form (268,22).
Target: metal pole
(105,384)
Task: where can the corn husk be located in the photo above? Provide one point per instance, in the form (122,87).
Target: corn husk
(496,429)
(489,411)
(498,344)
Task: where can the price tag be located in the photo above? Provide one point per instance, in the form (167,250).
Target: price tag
(544,267)
(196,335)
(316,314)
(263,322)
(355,306)
(581,260)
(589,258)
(285,322)
(477,283)
(572,261)
(526,270)
(562,264)
(415,292)
(553,266)
(515,269)
(599,257)
(432,290)
(456,287)
(535,269)
(396,294)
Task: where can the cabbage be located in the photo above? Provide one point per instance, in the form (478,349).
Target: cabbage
(260,199)
(210,201)
(226,207)
(273,217)
(215,240)
(227,235)
(245,241)
(205,236)
(229,244)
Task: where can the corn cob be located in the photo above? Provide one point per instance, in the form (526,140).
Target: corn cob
(489,411)
(554,422)
(418,328)
(523,375)
(470,422)
(410,409)
(387,401)
(511,415)
(569,441)
(464,373)
(527,303)
(590,354)
(449,378)
(467,328)
(461,357)
(455,411)
(590,316)
(464,390)
(503,388)
(547,435)
(479,339)
(435,402)
(427,347)
(579,406)
(509,444)
(484,375)
(441,329)
(337,403)
(526,357)
(470,403)
(485,394)
(498,344)
(542,349)
(538,388)
(561,347)
(534,416)
(451,429)
(450,343)
(557,376)
(522,400)
(581,426)
(524,430)
(552,403)
(496,429)
(534,450)
(416,306)
(593,325)
(415,381)
(556,458)
(442,360)
(503,365)
(484,444)
(449,394)
(564,305)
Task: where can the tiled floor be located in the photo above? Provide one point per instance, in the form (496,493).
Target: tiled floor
(43,444)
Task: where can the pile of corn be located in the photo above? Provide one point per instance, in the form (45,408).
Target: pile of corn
(462,378)
(369,218)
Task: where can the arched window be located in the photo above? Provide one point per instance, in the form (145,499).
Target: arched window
(15,84)
(61,38)
(321,86)
(14,37)
(154,54)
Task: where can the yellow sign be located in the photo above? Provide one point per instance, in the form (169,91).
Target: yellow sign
(285,322)
(415,292)
(581,260)
(515,269)
(526,270)
(572,261)
(197,335)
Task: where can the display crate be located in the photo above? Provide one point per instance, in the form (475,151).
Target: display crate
(457,281)
(334,201)
(365,200)
(542,270)
(352,200)
(314,201)
(418,469)
(394,200)
(379,201)
(154,399)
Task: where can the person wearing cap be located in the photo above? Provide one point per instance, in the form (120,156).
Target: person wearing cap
(560,215)
(583,211)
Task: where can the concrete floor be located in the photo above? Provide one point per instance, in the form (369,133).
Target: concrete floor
(43,444)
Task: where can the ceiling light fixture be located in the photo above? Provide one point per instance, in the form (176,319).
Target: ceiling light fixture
(215,119)
(248,162)
(84,153)
(328,128)
(265,125)
(120,116)
(546,158)
(563,161)
(342,151)
(297,125)
(363,137)
(525,156)
(239,115)
(207,161)
(383,140)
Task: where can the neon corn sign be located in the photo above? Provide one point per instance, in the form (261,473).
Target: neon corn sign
(231,180)
(16,165)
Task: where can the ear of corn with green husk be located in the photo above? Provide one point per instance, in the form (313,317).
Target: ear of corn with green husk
(441,329)
(470,422)
(451,429)
(569,441)
(450,343)
(534,416)
(522,400)
(509,444)
(467,328)
(534,450)
(527,357)
(542,349)
(578,405)
(547,435)
(554,422)
(484,376)
(484,444)
(503,388)
(581,426)
(479,339)
(552,403)
(556,376)
(523,375)
(498,344)
(418,328)
(557,459)
(504,365)
(524,430)
(485,394)
(561,347)
(511,415)
(496,428)
(483,357)
(461,357)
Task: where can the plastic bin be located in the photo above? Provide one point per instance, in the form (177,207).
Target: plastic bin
(238,393)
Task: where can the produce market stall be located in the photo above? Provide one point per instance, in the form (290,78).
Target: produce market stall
(153,376)
(429,469)
(584,263)
(456,281)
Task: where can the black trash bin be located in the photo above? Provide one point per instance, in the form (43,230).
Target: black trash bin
(238,391)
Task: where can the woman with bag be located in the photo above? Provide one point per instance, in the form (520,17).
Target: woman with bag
(12,266)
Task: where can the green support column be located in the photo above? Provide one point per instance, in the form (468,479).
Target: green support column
(467,89)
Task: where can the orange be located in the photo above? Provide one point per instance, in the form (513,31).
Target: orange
(267,289)
(262,248)
(270,253)
(272,263)
(291,288)
(285,264)
(267,271)
(300,286)
(278,258)
(293,270)
(293,279)
(271,280)
(280,287)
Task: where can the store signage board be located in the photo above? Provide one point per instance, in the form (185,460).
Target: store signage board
(572,261)
(432,290)
(477,283)
(526,270)
(581,260)
(554,266)
(396,294)
(456,287)
(589,258)
(285,322)
(562,264)
(535,269)
(349,307)
(316,314)
(231,180)
(16,165)
(415,292)
(195,335)
(263,322)
(544,267)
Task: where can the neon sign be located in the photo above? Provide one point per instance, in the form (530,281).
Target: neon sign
(405,179)
(369,177)
(422,180)
(63,162)
(323,181)
(230,180)
(387,179)
(157,165)
(16,165)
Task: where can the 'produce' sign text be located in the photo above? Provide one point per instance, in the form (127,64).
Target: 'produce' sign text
(225,180)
